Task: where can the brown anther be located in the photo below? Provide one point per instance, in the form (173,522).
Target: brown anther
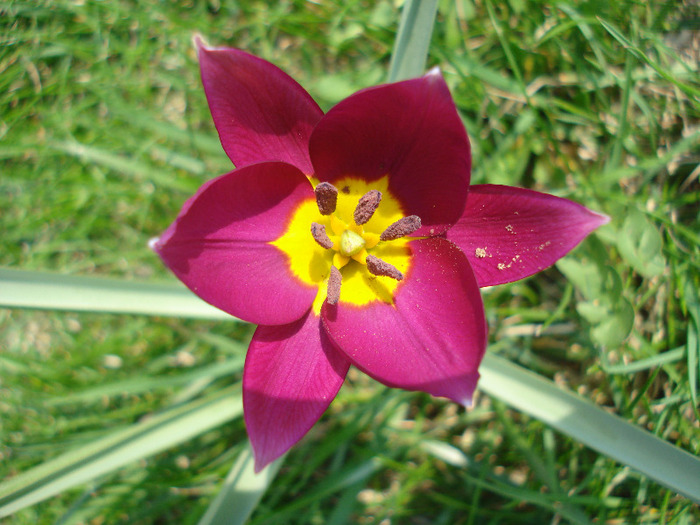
(378,267)
(333,291)
(367,206)
(402,227)
(318,231)
(326,197)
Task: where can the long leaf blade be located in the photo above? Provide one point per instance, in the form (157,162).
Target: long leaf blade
(240,492)
(592,426)
(413,40)
(140,441)
(523,390)
(52,291)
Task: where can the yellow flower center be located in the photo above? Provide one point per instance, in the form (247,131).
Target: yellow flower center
(311,256)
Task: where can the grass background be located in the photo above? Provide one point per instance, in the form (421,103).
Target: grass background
(104,132)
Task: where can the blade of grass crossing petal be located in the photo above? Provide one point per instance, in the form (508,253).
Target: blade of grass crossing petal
(241,491)
(158,433)
(50,291)
(592,426)
(413,40)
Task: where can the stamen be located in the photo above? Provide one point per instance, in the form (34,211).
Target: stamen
(326,197)
(333,291)
(320,236)
(378,267)
(367,206)
(400,228)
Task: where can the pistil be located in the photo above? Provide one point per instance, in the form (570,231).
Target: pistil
(366,207)
(351,243)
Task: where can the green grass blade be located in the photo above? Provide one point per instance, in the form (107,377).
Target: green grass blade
(241,491)
(693,341)
(43,290)
(591,425)
(140,441)
(655,361)
(119,163)
(641,55)
(413,40)
(514,66)
(146,383)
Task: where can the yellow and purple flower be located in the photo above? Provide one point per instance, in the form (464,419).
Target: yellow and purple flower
(352,238)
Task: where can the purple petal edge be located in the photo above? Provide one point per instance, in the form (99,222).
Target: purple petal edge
(509,233)
(261,113)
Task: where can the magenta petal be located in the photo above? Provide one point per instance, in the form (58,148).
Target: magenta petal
(510,233)
(409,130)
(261,113)
(434,336)
(219,244)
(292,373)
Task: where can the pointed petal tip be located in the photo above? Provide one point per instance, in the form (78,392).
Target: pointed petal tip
(467,402)
(467,392)
(259,464)
(153,244)
(510,233)
(434,72)
(602,218)
(286,390)
(198,41)
(201,44)
(262,462)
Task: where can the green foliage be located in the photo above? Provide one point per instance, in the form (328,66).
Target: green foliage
(105,132)
(640,245)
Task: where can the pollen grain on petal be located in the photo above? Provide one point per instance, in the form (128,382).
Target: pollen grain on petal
(334,280)
(326,197)
(378,267)
(367,205)
(401,228)
(318,231)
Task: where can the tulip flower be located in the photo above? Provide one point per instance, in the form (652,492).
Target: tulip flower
(352,238)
